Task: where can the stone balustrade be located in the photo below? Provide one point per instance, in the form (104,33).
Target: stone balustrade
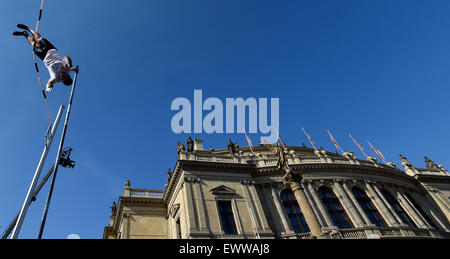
(271,160)
(371,232)
(390,232)
(133,192)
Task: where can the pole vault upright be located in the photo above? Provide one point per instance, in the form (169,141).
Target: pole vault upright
(58,157)
(37,173)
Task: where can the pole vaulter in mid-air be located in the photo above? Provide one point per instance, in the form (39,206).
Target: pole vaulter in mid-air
(58,66)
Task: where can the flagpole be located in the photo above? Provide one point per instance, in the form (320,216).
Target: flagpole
(373,148)
(309,138)
(279,137)
(332,138)
(278,133)
(360,148)
(249,141)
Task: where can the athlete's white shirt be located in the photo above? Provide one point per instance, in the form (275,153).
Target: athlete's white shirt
(55,64)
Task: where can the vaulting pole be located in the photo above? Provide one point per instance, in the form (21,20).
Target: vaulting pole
(58,156)
(36,192)
(37,173)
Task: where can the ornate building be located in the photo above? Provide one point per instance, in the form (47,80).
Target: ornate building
(294,193)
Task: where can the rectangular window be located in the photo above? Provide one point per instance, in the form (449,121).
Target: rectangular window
(226,217)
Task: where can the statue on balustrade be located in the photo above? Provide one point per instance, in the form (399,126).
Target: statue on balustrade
(231,147)
(405,161)
(180,148)
(169,175)
(190,145)
(282,158)
(113,208)
(430,164)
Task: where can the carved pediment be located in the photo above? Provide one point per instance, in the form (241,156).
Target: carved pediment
(223,190)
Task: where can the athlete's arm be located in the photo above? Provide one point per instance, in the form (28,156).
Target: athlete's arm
(50,83)
(68,61)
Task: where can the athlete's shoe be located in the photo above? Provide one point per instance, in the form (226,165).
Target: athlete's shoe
(23,27)
(20,33)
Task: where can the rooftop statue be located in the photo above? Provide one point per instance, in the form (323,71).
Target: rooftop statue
(180,148)
(430,164)
(231,147)
(405,161)
(282,158)
(113,208)
(169,175)
(190,145)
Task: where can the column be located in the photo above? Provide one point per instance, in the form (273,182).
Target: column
(190,209)
(306,208)
(239,227)
(358,207)
(200,206)
(415,215)
(348,205)
(323,211)
(388,205)
(286,224)
(258,207)
(387,215)
(426,204)
(251,209)
(438,199)
(125,230)
(278,225)
(313,202)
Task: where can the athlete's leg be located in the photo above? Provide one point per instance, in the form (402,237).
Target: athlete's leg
(36,35)
(30,40)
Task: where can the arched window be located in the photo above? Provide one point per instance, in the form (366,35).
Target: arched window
(367,205)
(398,209)
(293,212)
(419,209)
(334,208)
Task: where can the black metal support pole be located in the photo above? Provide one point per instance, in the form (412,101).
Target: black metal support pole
(58,156)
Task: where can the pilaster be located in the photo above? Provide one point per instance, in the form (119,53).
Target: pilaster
(347,203)
(328,223)
(190,207)
(412,212)
(286,223)
(366,220)
(202,223)
(381,206)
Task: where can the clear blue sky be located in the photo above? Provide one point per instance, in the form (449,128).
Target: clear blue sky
(376,69)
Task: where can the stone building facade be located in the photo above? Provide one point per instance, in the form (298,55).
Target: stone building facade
(236,193)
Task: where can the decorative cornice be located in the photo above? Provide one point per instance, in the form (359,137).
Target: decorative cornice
(445,179)
(256,171)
